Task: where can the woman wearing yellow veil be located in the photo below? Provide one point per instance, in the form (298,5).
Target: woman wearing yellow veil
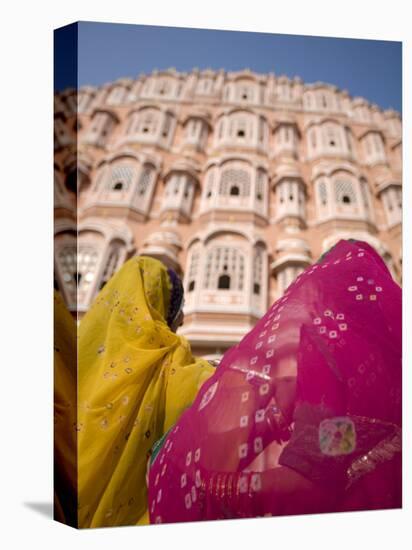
(135,379)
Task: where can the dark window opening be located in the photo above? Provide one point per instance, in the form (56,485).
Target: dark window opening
(346,199)
(77,277)
(225,267)
(256,288)
(259,196)
(71,182)
(145,130)
(291,197)
(191,286)
(118,186)
(244,96)
(234,190)
(224,282)
(281,199)
(186,194)
(240,133)
(209,194)
(332,143)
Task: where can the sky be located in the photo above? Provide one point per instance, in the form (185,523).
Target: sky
(368,68)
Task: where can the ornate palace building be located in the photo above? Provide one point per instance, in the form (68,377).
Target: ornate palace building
(237,180)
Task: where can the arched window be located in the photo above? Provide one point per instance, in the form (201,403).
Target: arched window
(260,182)
(67,260)
(145,180)
(193,271)
(235,182)
(147,122)
(110,267)
(322,193)
(225,269)
(87,261)
(258,271)
(210,183)
(223,282)
(344,192)
(121,177)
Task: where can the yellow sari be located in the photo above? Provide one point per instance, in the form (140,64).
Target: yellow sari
(65,440)
(135,379)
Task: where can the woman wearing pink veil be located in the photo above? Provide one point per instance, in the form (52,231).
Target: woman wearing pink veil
(304,414)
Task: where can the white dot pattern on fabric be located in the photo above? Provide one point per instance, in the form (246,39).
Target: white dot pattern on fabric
(259,345)
(256,482)
(208,396)
(340,316)
(333,334)
(359,297)
(259,415)
(163,470)
(264,388)
(322,330)
(343,326)
(378,288)
(159,495)
(194,494)
(156,479)
(197,454)
(198,479)
(258,445)
(275,326)
(372,297)
(183,481)
(243,485)
(245,396)
(243,421)
(243,450)
(352,288)
(189,458)
(269,353)
(254,360)
(188,501)
(158,519)
(152,507)
(328,313)
(249,375)
(266,369)
(271,339)
(317,321)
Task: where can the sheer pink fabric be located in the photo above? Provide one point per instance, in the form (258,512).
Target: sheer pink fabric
(303,415)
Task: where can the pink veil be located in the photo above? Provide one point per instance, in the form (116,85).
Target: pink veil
(312,393)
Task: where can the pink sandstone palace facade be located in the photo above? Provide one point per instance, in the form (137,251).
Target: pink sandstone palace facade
(237,180)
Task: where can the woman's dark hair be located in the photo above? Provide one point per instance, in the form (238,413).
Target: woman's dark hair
(176,297)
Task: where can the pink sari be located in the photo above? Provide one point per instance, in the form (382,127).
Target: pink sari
(304,414)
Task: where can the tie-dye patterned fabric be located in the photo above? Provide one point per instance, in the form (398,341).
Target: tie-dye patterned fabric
(304,415)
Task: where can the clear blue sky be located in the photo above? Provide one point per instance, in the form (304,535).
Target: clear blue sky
(367,68)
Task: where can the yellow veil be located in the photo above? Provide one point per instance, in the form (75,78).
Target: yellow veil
(135,379)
